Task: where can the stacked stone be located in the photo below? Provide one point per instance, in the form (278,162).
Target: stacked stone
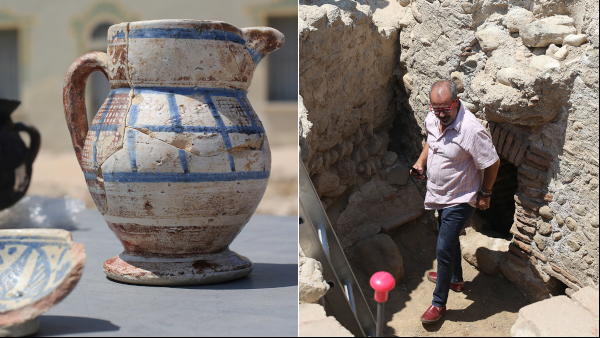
(532,229)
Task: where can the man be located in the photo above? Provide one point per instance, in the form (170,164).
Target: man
(462,165)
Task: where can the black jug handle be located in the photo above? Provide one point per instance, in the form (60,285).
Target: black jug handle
(35,139)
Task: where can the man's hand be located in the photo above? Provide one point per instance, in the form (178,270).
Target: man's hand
(483,203)
(418,173)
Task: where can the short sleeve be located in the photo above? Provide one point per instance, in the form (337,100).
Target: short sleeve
(482,149)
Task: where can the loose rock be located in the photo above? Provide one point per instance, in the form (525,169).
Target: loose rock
(489,38)
(517,18)
(542,34)
(543,63)
(575,39)
(571,224)
(546,212)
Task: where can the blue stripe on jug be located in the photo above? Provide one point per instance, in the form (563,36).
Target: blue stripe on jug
(154,177)
(193,34)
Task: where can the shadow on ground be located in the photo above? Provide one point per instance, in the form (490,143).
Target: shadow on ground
(487,307)
(67,325)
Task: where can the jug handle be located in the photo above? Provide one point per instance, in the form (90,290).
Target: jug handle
(34,137)
(74,96)
(262,40)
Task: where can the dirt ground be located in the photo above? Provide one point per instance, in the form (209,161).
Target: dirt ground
(58,174)
(488,307)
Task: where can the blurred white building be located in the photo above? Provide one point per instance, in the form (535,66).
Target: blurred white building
(40,39)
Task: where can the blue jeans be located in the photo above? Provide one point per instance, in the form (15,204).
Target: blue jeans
(449,269)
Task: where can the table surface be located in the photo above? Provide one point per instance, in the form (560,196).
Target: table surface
(265,303)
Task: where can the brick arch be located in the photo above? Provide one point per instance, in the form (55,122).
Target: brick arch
(532,175)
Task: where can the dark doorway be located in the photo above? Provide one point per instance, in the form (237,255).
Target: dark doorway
(500,216)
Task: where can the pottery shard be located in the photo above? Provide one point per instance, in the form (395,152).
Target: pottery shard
(489,38)
(546,212)
(571,224)
(325,182)
(517,18)
(542,33)
(575,39)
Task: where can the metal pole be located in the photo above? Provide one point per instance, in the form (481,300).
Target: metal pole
(380,307)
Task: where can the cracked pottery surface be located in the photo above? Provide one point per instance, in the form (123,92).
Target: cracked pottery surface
(176,160)
(38,269)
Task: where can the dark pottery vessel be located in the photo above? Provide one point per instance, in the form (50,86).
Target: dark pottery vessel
(15,158)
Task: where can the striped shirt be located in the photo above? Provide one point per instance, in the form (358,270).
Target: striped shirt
(456,160)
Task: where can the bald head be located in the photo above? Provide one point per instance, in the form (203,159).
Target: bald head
(443,91)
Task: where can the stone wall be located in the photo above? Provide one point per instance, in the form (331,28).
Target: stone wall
(528,69)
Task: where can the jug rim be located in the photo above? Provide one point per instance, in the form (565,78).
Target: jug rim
(200,25)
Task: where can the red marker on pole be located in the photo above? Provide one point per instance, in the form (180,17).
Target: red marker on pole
(382,282)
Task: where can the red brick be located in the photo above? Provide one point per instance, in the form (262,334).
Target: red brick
(503,135)
(516,259)
(540,256)
(509,140)
(571,278)
(524,211)
(529,173)
(521,245)
(530,183)
(537,159)
(534,194)
(526,202)
(492,126)
(515,150)
(526,229)
(520,236)
(527,221)
(535,165)
(496,136)
(541,153)
(512,247)
(521,154)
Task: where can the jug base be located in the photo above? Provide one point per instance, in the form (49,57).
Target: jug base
(197,270)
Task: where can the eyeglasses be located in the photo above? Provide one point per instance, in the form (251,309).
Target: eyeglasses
(438,111)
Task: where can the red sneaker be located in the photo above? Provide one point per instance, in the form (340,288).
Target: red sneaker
(432,277)
(432,315)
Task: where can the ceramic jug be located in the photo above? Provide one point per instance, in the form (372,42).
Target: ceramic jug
(176,159)
(15,158)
